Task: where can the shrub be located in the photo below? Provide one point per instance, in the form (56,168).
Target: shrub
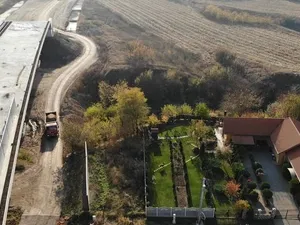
(237,169)
(202,110)
(246,174)
(241,205)
(232,189)
(265,185)
(257,165)
(267,193)
(219,188)
(218,172)
(294,186)
(253,196)
(258,171)
(252,185)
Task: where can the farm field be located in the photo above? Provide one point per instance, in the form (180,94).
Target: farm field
(283,7)
(274,47)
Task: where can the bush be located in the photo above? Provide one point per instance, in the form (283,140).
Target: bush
(257,165)
(265,185)
(259,170)
(237,169)
(219,188)
(253,196)
(218,172)
(252,185)
(294,186)
(267,193)
(246,174)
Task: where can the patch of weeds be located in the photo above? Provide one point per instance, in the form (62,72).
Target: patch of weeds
(25,156)
(73,170)
(99,180)
(14,215)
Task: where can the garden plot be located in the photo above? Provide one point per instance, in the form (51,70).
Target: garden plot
(177,168)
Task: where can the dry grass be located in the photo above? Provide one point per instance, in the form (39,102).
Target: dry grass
(232,16)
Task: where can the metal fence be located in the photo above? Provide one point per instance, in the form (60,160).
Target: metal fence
(287,214)
(179,212)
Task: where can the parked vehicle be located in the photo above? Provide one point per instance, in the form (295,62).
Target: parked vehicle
(52,128)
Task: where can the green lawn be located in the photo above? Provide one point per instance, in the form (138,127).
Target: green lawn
(195,181)
(163,185)
(162,189)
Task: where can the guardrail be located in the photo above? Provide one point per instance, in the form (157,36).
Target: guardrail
(4,26)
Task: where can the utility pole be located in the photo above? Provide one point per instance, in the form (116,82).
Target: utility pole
(199,222)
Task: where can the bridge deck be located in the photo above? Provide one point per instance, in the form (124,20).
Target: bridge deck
(20,46)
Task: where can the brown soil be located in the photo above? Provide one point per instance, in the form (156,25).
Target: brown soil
(276,48)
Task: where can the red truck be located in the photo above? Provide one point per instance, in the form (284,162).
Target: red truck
(52,128)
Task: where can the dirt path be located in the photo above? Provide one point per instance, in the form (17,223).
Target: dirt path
(45,204)
(274,47)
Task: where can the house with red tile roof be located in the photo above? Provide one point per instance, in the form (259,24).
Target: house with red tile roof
(282,135)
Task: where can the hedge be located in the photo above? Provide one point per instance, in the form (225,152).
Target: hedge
(265,185)
(267,193)
(252,185)
(253,196)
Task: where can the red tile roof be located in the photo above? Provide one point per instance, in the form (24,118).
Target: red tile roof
(250,126)
(284,133)
(286,136)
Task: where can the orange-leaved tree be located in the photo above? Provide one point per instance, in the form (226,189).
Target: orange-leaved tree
(232,189)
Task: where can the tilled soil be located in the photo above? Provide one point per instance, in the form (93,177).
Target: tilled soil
(275,47)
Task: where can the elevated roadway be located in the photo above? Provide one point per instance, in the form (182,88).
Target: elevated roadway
(20,48)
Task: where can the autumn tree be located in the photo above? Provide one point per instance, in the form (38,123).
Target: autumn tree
(169,111)
(199,129)
(241,205)
(232,189)
(240,101)
(202,110)
(106,93)
(185,109)
(287,106)
(153,120)
(132,109)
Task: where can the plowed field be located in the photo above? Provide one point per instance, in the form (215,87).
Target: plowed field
(274,47)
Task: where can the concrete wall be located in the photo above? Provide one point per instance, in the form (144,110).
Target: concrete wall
(7,135)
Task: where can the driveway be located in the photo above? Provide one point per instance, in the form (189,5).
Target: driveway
(282,199)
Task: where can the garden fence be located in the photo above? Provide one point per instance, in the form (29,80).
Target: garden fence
(287,214)
(180,212)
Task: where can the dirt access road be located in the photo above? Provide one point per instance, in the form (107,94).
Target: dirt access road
(35,189)
(274,47)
